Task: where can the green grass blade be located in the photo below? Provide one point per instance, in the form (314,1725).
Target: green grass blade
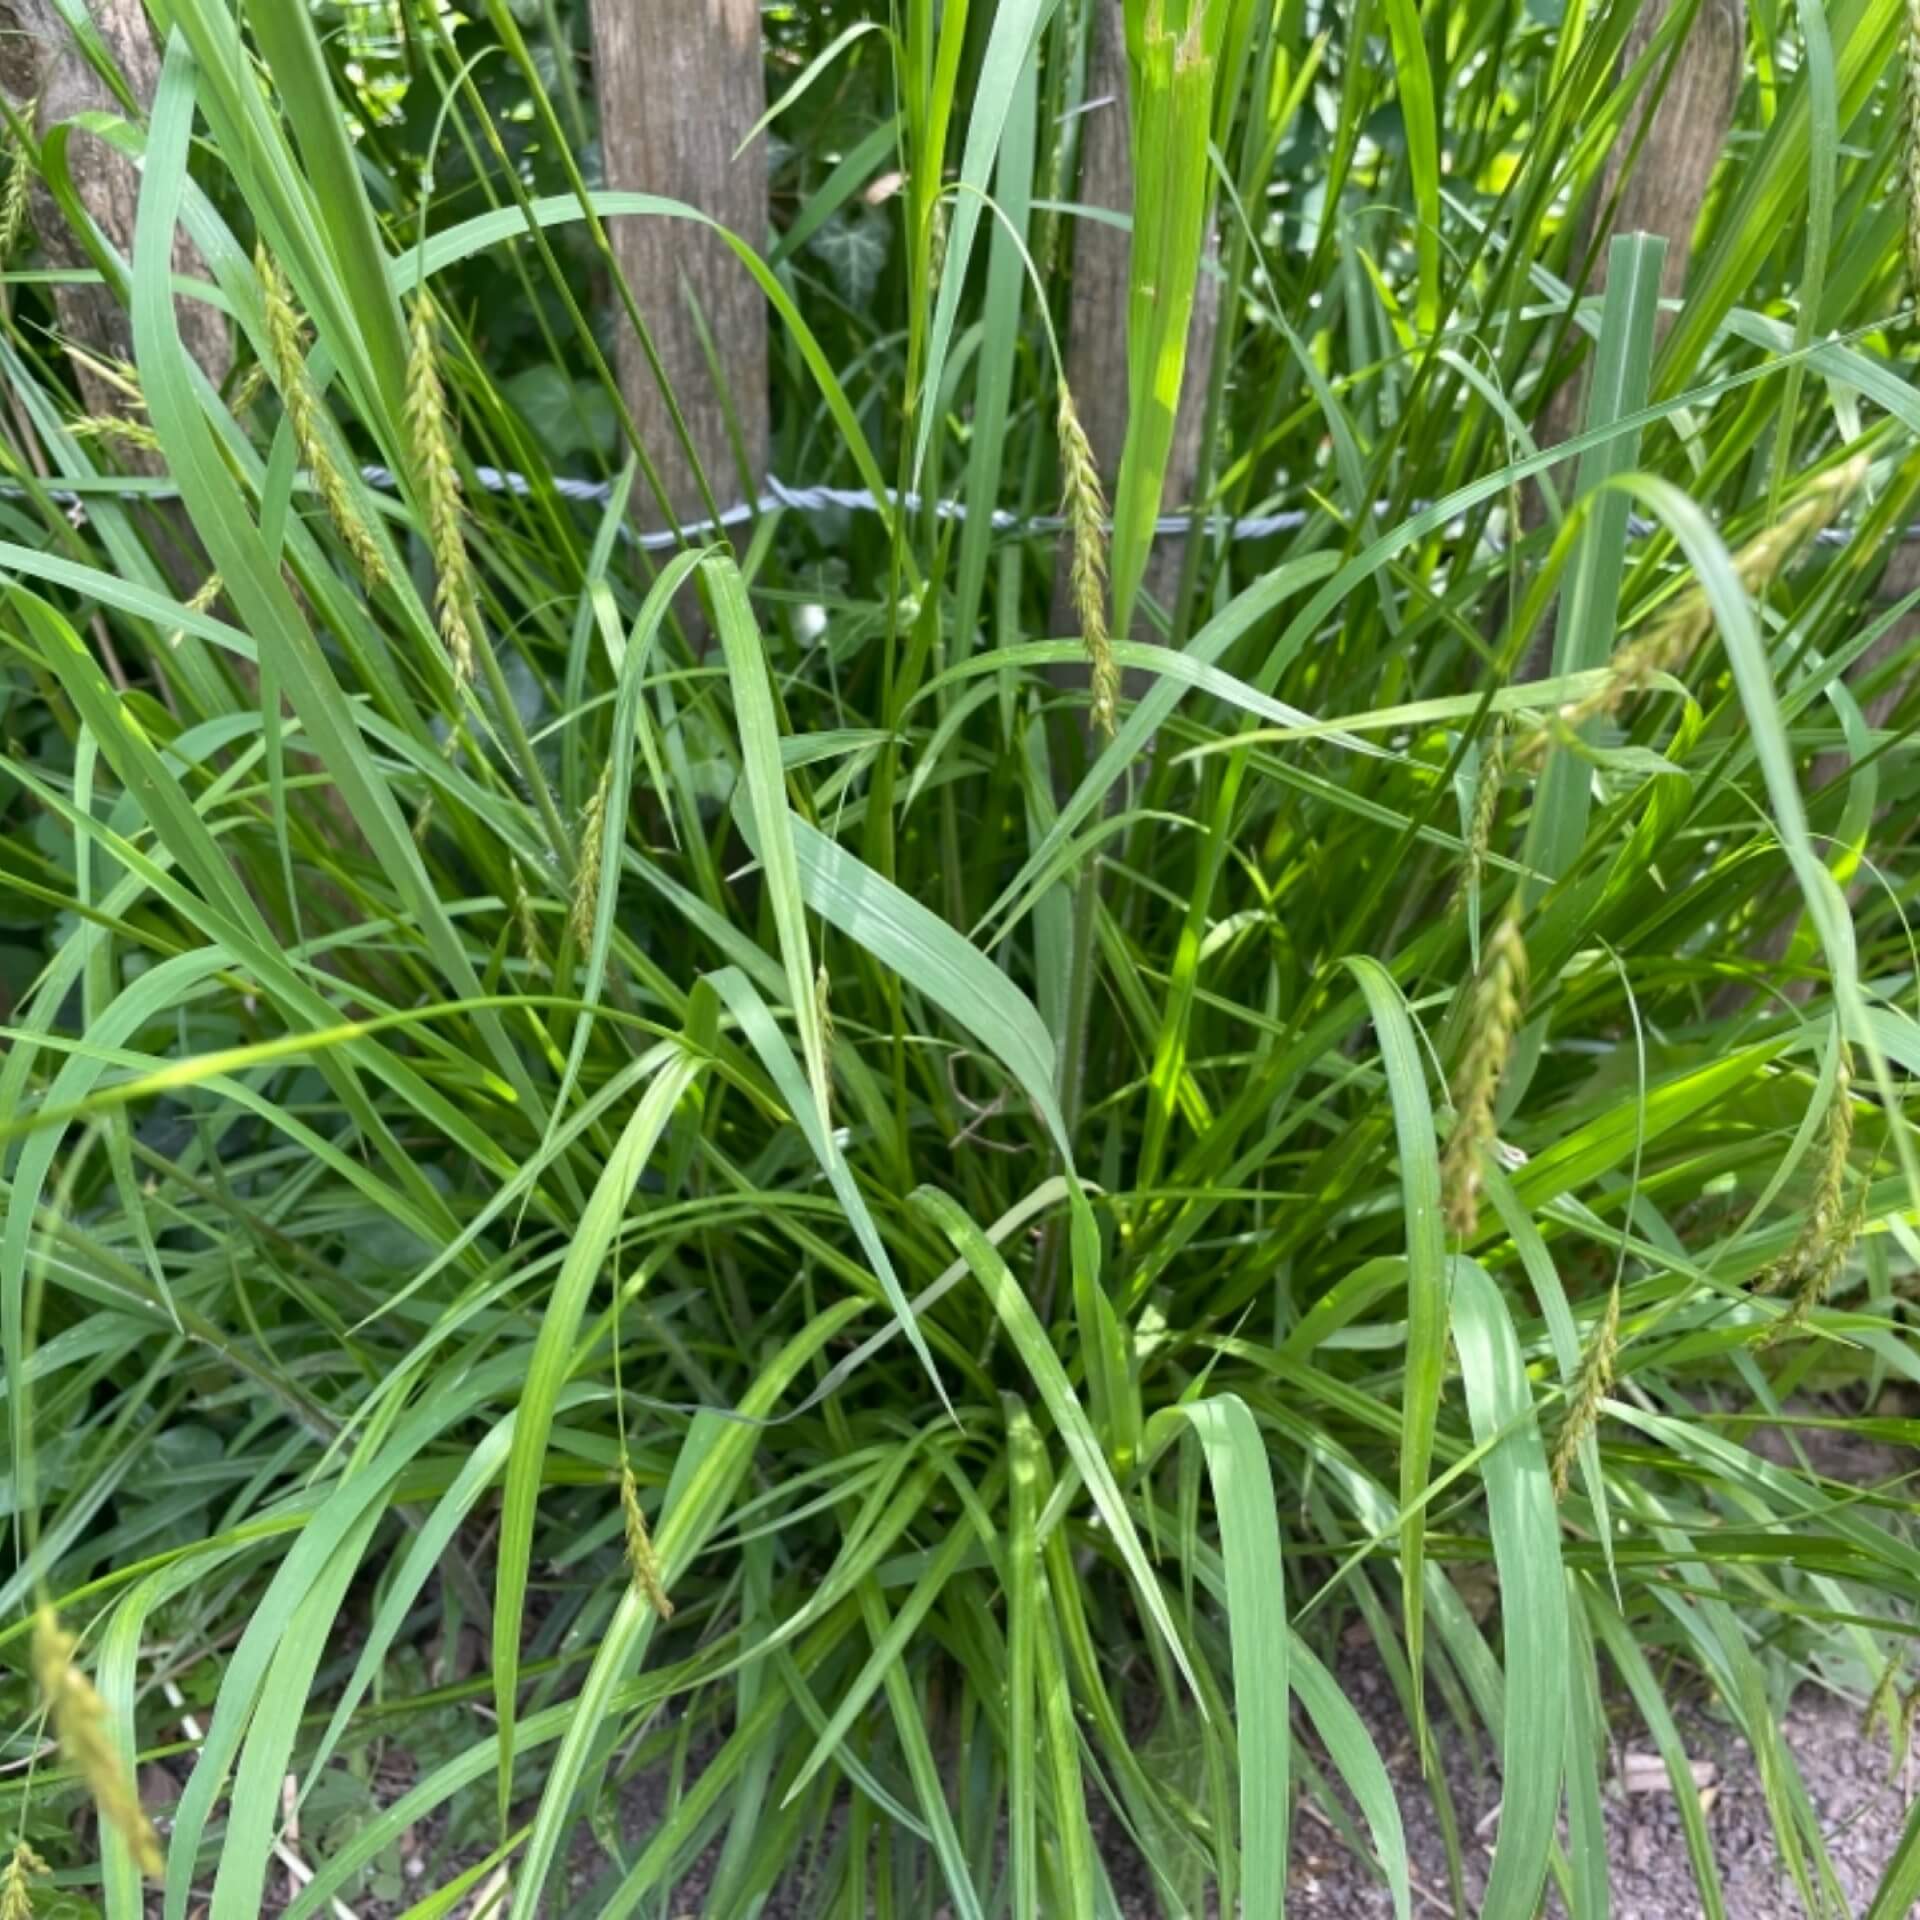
(553,1357)
(1236,1458)
(1419,117)
(1056,1392)
(1427,1282)
(1526,1545)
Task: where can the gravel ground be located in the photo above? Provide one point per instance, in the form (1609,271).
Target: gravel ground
(1861,1814)
(1860,1810)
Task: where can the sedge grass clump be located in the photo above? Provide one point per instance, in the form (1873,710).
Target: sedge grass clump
(79,1718)
(430,426)
(1128,1123)
(1493,1021)
(1084,506)
(287,345)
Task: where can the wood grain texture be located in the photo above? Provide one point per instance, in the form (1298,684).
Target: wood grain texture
(1685,131)
(680,83)
(41,61)
(1097,323)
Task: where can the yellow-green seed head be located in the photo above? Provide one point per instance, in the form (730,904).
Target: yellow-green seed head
(13,199)
(586,882)
(1084,507)
(1499,1000)
(1833,1220)
(643,1563)
(122,376)
(79,1718)
(1671,641)
(286,344)
(246,396)
(204,595)
(526,920)
(111,426)
(1822,1265)
(1590,1390)
(439,479)
(16,1882)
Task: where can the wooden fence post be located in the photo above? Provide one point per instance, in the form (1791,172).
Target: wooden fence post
(1673,169)
(680,86)
(1097,316)
(40,61)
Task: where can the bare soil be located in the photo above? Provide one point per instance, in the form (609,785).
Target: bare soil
(1860,1808)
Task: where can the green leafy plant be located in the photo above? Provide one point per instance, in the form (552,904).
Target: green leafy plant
(903,1242)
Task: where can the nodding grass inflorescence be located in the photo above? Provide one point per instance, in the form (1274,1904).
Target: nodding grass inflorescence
(204,595)
(79,1719)
(525,920)
(13,197)
(302,404)
(823,1005)
(1814,1279)
(1499,997)
(1828,1207)
(1670,642)
(936,245)
(111,371)
(1888,1702)
(1592,1386)
(16,1882)
(427,422)
(1834,1218)
(113,426)
(1085,508)
(586,878)
(121,377)
(246,394)
(643,1563)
